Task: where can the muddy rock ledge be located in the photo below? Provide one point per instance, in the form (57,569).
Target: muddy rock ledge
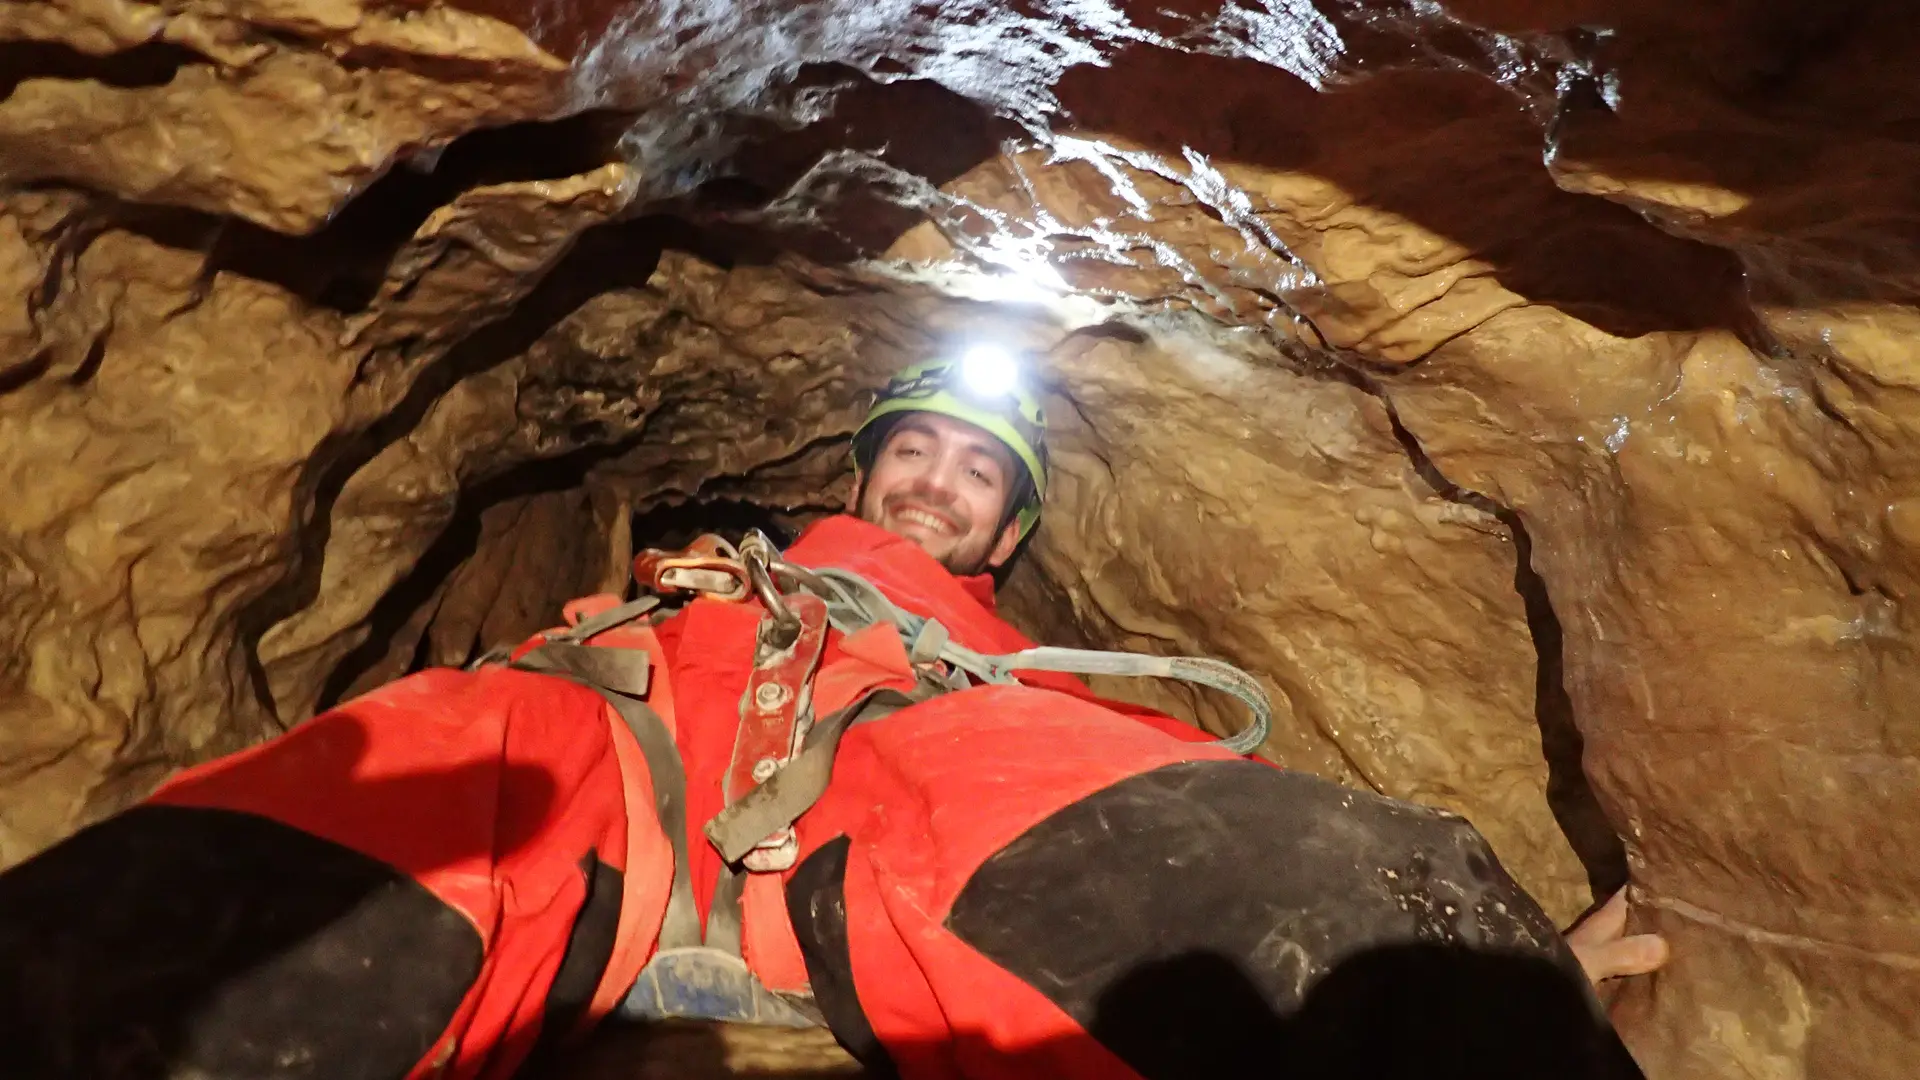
(1526,392)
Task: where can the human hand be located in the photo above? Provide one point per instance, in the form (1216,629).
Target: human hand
(1605,952)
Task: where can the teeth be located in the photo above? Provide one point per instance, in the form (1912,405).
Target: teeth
(921,517)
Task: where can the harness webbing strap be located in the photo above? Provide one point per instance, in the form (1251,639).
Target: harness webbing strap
(687,977)
(586,665)
(619,615)
(696,974)
(854,603)
(796,786)
(626,671)
(1217,674)
(726,916)
(927,645)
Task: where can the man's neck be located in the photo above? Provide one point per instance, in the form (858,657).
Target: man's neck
(978,587)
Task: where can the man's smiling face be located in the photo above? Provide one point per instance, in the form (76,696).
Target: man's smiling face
(944,484)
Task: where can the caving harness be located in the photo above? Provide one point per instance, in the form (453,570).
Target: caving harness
(783,754)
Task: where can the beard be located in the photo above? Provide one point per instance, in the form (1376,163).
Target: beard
(966,561)
(963,554)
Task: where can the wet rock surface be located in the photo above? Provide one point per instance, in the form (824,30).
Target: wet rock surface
(1513,387)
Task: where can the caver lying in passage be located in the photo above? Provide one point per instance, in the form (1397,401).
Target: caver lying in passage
(820,786)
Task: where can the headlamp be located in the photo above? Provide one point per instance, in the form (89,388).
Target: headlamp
(989,372)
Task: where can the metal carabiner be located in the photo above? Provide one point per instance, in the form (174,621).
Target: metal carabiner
(759,555)
(709,566)
(683,571)
(804,578)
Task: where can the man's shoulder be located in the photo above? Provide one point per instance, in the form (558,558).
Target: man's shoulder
(909,577)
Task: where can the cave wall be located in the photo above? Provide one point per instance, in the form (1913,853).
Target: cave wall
(1514,387)
(1212,501)
(1690,392)
(152,461)
(177,433)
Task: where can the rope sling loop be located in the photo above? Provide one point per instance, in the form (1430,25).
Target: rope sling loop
(854,603)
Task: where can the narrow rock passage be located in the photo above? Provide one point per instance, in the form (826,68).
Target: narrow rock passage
(340,339)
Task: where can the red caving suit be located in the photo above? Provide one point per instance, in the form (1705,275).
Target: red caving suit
(450,875)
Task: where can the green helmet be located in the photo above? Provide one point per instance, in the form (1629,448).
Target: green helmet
(982,388)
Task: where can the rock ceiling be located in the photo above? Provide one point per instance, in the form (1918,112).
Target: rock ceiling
(1501,381)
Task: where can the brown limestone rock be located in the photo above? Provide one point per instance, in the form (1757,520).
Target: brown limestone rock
(152,458)
(467,265)
(1743,746)
(1209,500)
(1718,485)
(699,381)
(473,260)
(276,113)
(1658,302)
(169,424)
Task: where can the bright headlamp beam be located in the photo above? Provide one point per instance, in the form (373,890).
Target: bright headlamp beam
(989,371)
